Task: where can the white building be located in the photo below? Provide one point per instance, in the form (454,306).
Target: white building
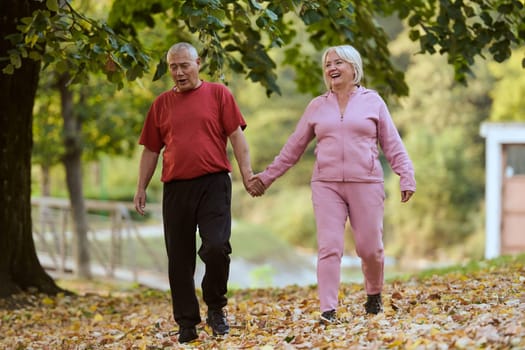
(505,188)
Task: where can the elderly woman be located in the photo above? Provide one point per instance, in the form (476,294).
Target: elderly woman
(349,121)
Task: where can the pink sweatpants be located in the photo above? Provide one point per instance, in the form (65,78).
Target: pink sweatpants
(363,205)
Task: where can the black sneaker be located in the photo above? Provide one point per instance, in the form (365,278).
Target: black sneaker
(329,317)
(374,304)
(187,334)
(218,323)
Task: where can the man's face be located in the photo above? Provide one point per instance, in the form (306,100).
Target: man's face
(184,70)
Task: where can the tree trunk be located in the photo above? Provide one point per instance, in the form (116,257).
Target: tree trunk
(46,180)
(19,265)
(73,164)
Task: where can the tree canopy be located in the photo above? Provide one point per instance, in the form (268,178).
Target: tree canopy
(238,35)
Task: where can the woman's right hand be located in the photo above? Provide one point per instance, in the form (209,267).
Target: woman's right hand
(406,195)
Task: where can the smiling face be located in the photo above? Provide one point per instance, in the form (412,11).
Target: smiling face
(184,69)
(338,72)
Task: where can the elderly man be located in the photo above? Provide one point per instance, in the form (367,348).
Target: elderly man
(191,123)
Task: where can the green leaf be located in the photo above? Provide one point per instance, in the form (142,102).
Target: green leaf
(98,49)
(469,11)
(9,69)
(26,20)
(52,5)
(443,20)
(487,19)
(289,338)
(133,73)
(15,58)
(310,16)
(127,48)
(277,42)
(459,28)
(231,47)
(348,34)
(521,34)
(62,66)
(113,41)
(214,22)
(261,22)
(236,66)
(414,20)
(255,5)
(455,13)
(205,3)
(162,68)
(35,55)
(414,35)
(271,15)
(505,8)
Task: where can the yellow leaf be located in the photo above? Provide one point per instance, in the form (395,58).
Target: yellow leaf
(48,301)
(98,317)
(242,307)
(396,343)
(434,331)
(75,326)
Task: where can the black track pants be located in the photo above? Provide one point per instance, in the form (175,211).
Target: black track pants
(203,203)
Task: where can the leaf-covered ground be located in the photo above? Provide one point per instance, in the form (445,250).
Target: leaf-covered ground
(459,309)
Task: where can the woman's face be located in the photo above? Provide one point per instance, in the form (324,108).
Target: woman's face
(337,71)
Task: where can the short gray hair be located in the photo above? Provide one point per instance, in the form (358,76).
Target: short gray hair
(183,46)
(349,54)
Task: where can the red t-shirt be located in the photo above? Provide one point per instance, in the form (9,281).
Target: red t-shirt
(193,128)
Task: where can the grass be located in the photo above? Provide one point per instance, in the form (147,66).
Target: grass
(256,243)
(465,268)
(108,286)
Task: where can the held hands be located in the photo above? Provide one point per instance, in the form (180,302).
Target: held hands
(254,186)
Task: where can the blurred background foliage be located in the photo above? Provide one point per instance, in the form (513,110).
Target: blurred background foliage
(439,122)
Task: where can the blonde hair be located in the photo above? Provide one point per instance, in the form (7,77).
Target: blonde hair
(183,46)
(348,54)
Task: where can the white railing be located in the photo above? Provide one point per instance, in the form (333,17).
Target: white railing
(115,240)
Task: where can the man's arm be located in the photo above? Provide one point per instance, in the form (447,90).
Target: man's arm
(148,163)
(241,152)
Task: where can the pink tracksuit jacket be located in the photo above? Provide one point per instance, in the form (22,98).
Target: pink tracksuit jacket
(347,145)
